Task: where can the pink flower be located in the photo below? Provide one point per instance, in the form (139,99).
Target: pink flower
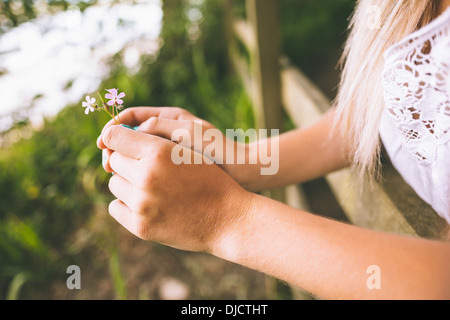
(89,104)
(114,97)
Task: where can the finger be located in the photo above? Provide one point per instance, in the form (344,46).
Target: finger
(106,154)
(131,143)
(100,143)
(131,117)
(188,133)
(124,166)
(119,211)
(166,127)
(134,116)
(121,189)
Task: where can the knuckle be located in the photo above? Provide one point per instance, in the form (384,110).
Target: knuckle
(110,135)
(143,230)
(147,179)
(191,126)
(153,168)
(128,111)
(145,225)
(146,175)
(152,123)
(178,110)
(141,207)
(180,113)
(161,154)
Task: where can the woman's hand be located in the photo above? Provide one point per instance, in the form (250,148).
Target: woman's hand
(165,121)
(187,206)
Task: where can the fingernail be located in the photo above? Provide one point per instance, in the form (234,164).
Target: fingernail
(104,160)
(127,126)
(136,128)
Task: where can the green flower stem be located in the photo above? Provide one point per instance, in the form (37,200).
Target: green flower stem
(105,108)
(118,117)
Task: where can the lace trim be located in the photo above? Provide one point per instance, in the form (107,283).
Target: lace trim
(416,81)
(405,43)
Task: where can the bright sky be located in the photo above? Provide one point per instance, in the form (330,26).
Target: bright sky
(43,55)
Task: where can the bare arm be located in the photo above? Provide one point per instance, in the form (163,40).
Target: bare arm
(332,259)
(304,154)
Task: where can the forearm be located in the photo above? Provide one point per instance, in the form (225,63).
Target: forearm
(302,155)
(330,259)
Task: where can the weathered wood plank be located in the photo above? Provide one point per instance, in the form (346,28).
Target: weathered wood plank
(245,34)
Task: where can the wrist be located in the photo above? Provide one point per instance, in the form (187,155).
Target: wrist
(238,209)
(247,173)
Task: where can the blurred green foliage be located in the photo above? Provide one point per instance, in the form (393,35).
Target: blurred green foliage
(313,33)
(312,30)
(51,181)
(48,185)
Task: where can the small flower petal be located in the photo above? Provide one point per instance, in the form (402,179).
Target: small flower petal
(92,109)
(121,95)
(112,91)
(89,104)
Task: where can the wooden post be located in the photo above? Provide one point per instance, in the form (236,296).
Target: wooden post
(263,16)
(228,33)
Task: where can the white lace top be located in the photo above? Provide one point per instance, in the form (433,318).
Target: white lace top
(415,126)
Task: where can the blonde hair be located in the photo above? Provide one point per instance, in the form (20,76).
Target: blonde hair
(375,25)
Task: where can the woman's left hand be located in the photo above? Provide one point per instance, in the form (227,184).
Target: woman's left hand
(186,206)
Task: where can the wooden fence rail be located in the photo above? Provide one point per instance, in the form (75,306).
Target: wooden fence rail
(275,84)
